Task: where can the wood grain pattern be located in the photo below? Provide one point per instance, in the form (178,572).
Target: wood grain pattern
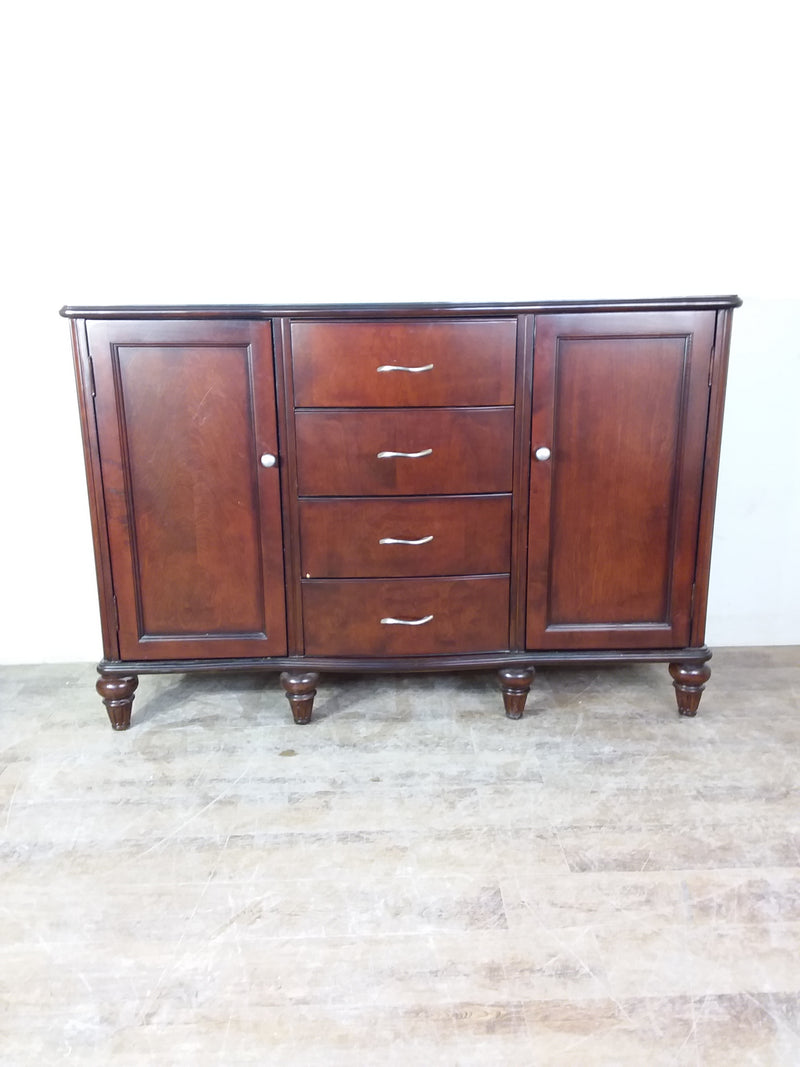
(621,401)
(337,451)
(194,521)
(344,617)
(341,538)
(471,363)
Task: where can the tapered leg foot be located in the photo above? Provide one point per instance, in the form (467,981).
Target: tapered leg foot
(515,683)
(689,680)
(300,691)
(117,691)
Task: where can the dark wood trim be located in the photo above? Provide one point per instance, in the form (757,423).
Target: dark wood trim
(521,482)
(708,499)
(257,311)
(414,665)
(84,377)
(288,463)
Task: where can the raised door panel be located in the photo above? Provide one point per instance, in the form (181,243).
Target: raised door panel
(184,410)
(621,402)
(452,363)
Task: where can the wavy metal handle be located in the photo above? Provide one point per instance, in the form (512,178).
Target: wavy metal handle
(406,622)
(411,370)
(405,455)
(403,541)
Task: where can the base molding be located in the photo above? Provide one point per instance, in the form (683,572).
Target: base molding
(299,675)
(416,665)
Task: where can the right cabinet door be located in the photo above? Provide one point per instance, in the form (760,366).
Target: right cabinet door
(620,407)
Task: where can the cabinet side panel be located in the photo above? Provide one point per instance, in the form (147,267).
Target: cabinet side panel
(710,473)
(84,378)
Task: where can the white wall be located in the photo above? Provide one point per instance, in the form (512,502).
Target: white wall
(178,152)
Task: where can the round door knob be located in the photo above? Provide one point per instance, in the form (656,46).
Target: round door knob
(542,454)
(268,460)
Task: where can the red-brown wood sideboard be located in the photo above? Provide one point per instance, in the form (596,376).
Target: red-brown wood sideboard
(410,487)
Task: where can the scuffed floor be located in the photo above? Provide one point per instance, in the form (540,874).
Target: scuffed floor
(411,879)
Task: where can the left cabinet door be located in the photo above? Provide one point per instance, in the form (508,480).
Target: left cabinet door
(185,410)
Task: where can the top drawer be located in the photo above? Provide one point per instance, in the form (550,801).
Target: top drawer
(442,363)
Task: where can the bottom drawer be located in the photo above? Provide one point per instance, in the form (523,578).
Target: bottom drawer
(405,616)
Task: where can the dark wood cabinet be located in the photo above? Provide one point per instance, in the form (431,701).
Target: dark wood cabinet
(409,487)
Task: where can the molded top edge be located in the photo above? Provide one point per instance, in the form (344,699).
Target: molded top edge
(265,311)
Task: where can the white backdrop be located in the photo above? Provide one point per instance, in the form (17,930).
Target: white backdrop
(305,152)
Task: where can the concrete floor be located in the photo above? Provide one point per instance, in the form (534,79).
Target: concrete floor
(411,879)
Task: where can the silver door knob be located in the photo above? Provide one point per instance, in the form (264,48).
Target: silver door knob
(268,460)
(542,454)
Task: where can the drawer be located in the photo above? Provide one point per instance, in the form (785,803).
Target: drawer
(460,450)
(343,618)
(451,363)
(404,537)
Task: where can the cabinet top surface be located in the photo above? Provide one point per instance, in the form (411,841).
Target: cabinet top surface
(265,311)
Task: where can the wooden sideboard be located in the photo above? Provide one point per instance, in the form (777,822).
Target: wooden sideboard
(402,488)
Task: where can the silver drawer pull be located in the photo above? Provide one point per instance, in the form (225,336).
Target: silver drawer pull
(406,455)
(411,370)
(407,622)
(403,541)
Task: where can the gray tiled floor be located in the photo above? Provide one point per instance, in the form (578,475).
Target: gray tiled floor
(411,879)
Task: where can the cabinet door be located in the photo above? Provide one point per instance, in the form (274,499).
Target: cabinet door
(621,402)
(184,411)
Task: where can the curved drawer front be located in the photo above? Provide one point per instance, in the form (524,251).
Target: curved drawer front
(455,362)
(452,451)
(403,537)
(406,616)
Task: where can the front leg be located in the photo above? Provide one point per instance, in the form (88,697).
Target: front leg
(515,683)
(300,688)
(689,680)
(117,691)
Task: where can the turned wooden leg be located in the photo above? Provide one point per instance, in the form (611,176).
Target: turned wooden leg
(300,691)
(117,691)
(515,682)
(689,680)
